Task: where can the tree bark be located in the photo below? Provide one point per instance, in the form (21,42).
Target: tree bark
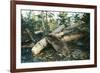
(39,46)
(29,34)
(59,29)
(55,42)
(72,37)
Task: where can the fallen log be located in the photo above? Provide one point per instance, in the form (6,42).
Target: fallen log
(59,29)
(43,43)
(58,44)
(59,33)
(62,33)
(39,46)
(72,37)
(55,42)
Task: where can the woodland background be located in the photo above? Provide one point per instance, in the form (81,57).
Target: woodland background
(35,25)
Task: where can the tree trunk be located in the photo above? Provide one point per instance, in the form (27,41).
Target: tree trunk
(29,34)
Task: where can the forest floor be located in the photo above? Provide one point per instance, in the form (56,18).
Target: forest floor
(49,54)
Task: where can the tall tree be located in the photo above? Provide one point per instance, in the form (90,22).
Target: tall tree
(63,18)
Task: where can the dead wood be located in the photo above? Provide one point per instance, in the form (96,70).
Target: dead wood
(59,29)
(57,43)
(71,37)
(43,42)
(39,46)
